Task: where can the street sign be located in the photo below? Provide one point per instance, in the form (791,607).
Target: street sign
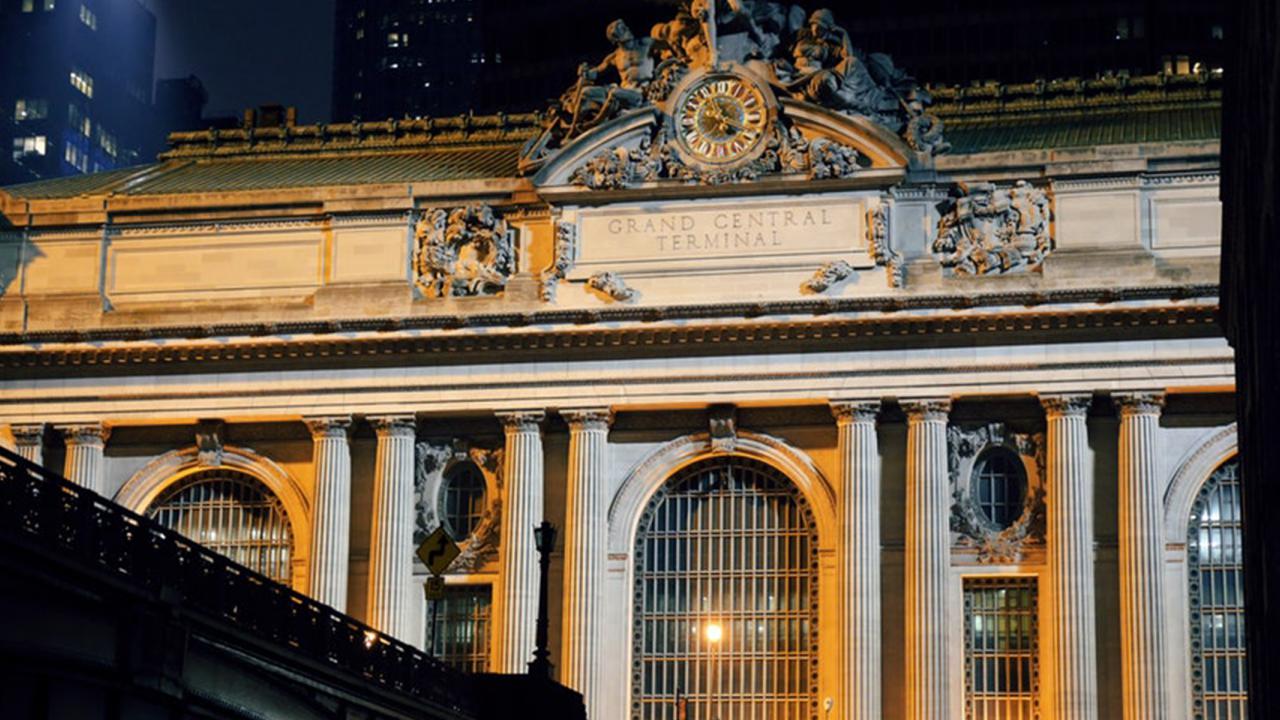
(438,551)
(434,588)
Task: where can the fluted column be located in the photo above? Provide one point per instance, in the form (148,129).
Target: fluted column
(1142,644)
(859,458)
(584,552)
(1069,489)
(391,548)
(30,442)
(330,510)
(84,464)
(517,586)
(928,559)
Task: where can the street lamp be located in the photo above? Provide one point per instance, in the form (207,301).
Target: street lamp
(544,539)
(714,633)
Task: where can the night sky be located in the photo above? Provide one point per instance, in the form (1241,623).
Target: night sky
(249,52)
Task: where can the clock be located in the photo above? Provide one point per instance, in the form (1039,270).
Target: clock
(721,119)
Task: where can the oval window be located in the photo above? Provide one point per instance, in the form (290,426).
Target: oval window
(999,486)
(462,500)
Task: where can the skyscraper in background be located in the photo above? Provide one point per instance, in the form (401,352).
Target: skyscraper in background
(398,58)
(75,93)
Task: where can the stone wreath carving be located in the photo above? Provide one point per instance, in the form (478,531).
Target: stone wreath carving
(433,461)
(463,251)
(656,158)
(985,230)
(970,527)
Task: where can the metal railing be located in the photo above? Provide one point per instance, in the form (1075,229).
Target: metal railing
(41,509)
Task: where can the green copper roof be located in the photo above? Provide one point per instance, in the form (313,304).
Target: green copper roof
(76,185)
(1079,129)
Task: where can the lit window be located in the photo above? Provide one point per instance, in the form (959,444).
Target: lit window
(48,5)
(107,142)
(360,34)
(231,513)
(27,146)
(88,18)
(30,110)
(28,5)
(83,82)
(1001,648)
(393,39)
(1215,569)
(463,500)
(727,548)
(459,635)
(999,486)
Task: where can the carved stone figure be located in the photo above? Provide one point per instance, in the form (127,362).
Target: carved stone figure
(970,528)
(984,229)
(828,276)
(464,251)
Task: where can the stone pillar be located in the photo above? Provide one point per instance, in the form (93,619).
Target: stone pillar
(84,464)
(859,482)
(928,559)
(586,521)
(1072,622)
(1142,642)
(331,510)
(516,606)
(30,442)
(391,547)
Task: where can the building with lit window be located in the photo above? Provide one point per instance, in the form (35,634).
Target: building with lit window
(850,399)
(75,94)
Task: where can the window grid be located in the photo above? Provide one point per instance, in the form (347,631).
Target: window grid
(1001,649)
(463,500)
(459,635)
(1216,583)
(728,542)
(232,514)
(1001,487)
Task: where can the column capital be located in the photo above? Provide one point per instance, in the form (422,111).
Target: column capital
(1138,403)
(331,426)
(1066,404)
(850,411)
(925,409)
(521,420)
(85,433)
(596,418)
(28,434)
(394,426)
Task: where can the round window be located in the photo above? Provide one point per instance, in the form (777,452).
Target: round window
(999,486)
(462,499)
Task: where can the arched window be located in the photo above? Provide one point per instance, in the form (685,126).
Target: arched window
(231,513)
(726,596)
(999,486)
(462,500)
(1215,559)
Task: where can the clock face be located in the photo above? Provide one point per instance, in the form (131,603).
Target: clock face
(722,118)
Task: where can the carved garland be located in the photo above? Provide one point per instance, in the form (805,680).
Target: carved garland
(463,251)
(970,528)
(433,461)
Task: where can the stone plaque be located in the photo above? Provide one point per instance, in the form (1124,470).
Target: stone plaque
(707,236)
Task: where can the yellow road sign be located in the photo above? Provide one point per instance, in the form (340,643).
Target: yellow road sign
(438,551)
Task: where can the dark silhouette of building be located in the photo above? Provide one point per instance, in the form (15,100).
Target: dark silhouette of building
(75,93)
(397,58)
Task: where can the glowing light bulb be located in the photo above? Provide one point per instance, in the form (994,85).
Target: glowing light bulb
(714,633)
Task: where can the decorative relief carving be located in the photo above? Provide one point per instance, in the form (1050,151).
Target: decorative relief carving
(210,437)
(433,461)
(722,421)
(566,252)
(971,529)
(985,229)
(878,242)
(463,251)
(829,275)
(1139,403)
(612,285)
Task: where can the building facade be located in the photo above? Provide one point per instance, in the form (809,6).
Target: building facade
(75,96)
(850,398)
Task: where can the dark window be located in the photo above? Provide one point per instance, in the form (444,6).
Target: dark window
(463,499)
(999,486)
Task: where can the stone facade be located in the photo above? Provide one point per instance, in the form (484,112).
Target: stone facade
(583,340)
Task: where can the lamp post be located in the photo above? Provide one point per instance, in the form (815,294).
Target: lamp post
(713,634)
(544,538)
